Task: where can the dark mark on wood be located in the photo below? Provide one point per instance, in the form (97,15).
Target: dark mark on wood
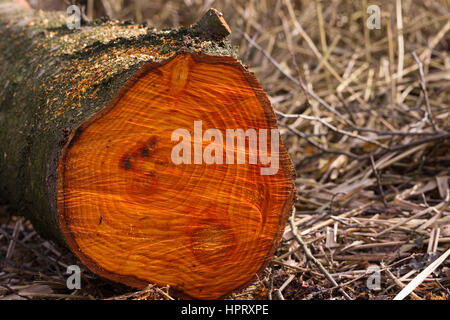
(145,152)
(127,163)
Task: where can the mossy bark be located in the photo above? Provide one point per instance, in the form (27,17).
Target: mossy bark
(52,79)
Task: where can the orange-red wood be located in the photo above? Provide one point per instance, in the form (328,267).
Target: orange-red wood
(23,3)
(134,216)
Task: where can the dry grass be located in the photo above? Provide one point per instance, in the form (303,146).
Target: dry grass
(365,117)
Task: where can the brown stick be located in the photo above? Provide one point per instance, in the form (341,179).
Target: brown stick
(313,259)
(425,94)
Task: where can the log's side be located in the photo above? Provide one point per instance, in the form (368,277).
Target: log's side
(52,80)
(86,117)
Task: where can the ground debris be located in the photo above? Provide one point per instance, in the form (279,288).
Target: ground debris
(367,127)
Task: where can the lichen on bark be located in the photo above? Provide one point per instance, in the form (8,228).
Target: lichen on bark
(52,79)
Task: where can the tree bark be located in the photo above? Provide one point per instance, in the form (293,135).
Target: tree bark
(85,149)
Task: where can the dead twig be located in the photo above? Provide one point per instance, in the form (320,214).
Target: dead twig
(313,259)
(428,113)
(380,188)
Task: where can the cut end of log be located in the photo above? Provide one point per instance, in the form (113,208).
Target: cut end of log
(133,215)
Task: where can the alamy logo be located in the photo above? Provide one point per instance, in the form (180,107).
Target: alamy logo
(73,20)
(374,20)
(234,146)
(74,280)
(374,279)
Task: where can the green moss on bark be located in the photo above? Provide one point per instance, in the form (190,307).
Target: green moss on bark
(53,79)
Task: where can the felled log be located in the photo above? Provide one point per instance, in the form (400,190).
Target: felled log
(92,126)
